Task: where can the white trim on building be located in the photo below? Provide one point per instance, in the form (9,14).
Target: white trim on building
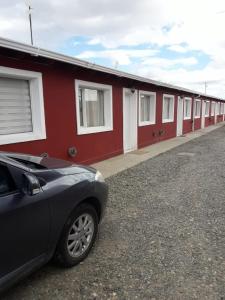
(84,125)
(207,108)
(197,108)
(147,108)
(168,108)
(187,108)
(36,103)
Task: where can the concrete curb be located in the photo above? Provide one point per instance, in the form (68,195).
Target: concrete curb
(122,162)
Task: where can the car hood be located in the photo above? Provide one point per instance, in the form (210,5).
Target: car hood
(62,166)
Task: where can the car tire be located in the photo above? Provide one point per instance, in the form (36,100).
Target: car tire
(78,236)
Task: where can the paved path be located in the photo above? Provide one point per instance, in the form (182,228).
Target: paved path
(163,236)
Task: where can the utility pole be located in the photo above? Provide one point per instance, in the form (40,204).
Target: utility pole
(30,21)
(28,4)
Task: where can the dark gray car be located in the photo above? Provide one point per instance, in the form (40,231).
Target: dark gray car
(49,208)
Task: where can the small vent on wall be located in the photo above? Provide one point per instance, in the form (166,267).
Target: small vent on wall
(72,151)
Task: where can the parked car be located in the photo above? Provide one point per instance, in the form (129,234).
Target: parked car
(49,208)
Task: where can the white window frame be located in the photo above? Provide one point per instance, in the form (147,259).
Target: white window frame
(199,115)
(108,108)
(152,108)
(213,111)
(172,115)
(37,106)
(207,114)
(190,103)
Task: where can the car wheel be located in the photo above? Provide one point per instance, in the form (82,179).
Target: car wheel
(78,236)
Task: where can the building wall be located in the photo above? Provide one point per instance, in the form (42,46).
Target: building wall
(219,118)
(60,116)
(207,121)
(60,113)
(151,134)
(187,126)
(197,123)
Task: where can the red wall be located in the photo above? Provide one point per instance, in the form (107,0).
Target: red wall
(151,134)
(207,121)
(197,123)
(219,118)
(60,116)
(60,112)
(187,126)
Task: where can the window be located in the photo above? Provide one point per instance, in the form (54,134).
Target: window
(6,182)
(197,108)
(21,106)
(168,108)
(94,107)
(187,108)
(147,107)
(221,108)
(207,108)
(217,108)
(213,104)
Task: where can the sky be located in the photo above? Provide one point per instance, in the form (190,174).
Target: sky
(181,42)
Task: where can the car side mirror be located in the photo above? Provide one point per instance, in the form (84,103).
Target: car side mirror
(31,184)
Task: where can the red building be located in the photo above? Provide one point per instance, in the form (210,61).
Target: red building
(55,104)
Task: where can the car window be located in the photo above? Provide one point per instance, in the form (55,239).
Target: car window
(6,182)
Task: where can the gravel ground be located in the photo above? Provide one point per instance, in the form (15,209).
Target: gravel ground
(163,236)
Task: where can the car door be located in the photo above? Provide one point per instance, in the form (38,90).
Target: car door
(24,222)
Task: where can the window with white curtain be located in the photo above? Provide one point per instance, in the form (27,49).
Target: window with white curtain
(197,108)
(94,107)
(168,108)
(213,105)
(147,108)
(207,103)
(21,106)
(187,108)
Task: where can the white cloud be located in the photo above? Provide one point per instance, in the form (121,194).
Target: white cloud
(122,57)
(178,48)
(192,79)
(114,23)
(165,63)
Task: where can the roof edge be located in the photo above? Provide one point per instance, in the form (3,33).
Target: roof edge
(36,51)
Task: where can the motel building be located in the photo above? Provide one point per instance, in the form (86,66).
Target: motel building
(56,105)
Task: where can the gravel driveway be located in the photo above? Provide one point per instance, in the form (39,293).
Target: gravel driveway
(163,236)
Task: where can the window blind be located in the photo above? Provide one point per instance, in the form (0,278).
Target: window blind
(15,106)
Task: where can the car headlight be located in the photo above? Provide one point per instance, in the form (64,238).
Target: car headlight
(99,177)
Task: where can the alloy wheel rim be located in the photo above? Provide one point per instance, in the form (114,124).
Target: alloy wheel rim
(80,235)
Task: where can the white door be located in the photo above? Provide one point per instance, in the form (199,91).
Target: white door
(179,116)
(203,115)
(129,120)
